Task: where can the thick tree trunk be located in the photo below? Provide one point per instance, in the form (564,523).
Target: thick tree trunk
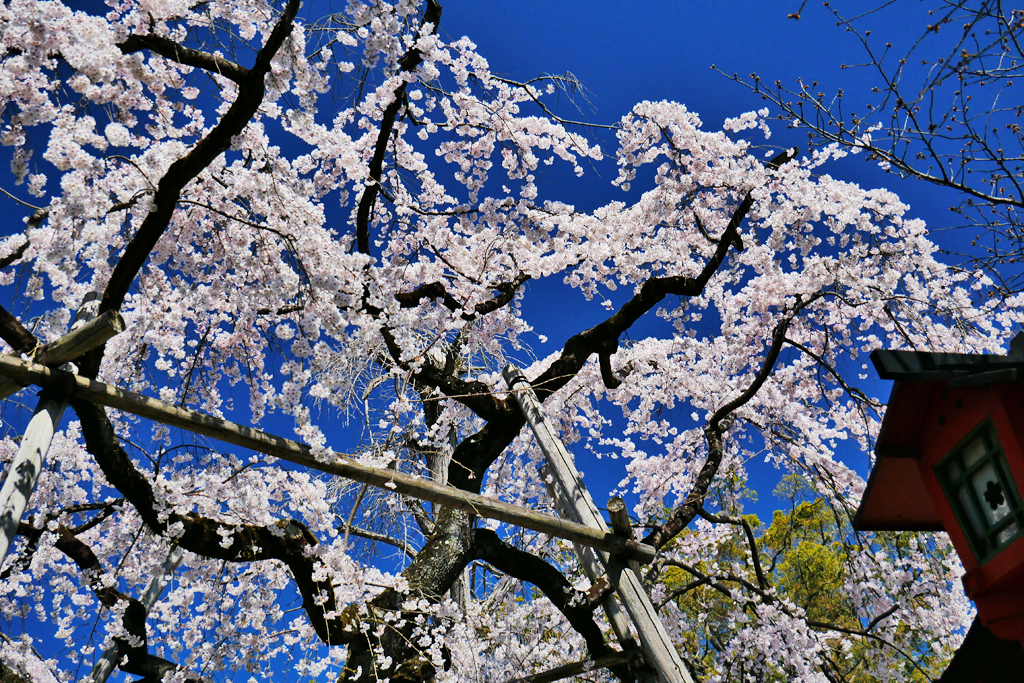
(430,576)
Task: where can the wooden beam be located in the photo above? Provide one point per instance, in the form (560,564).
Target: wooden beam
(659,651)
(923,365)
(300,454)
(619,517)
(79,340)
(23,472)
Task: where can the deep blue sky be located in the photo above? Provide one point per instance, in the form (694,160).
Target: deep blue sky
(624,53)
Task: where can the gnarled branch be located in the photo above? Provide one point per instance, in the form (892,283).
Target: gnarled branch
(139,660)
(15,334)
(574,605)
(715,430)
(205,536)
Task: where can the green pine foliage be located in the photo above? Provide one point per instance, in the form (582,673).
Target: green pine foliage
(808,559)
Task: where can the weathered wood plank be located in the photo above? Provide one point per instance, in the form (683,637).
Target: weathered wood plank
(85,337)
(594,570)
(300,454)
(621,524)
(23,473)
(619,517)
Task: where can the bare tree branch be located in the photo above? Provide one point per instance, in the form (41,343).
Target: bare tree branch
(15,334)
(755,555)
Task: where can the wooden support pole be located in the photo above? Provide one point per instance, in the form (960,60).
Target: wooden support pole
(23,473)
(105,665)
(658,648)
(231,432)
(594,570)
(591,566)
(621,524)
(619,517)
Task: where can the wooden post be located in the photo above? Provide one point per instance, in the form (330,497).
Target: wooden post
(105,665)
(595,572)
(621,524)
(23,474)
(342,466)
(619,517)
(660,652)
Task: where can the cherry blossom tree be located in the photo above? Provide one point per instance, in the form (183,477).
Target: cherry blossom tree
(310,222)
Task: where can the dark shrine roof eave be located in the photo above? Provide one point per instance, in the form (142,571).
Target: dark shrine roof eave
(925,365)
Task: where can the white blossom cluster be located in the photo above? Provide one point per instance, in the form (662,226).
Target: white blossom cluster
(256,304)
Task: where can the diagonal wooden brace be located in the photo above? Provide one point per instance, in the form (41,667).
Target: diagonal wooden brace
(79,340)
(658,648)
(594,570)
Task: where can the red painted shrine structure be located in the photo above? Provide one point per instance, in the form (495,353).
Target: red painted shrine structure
(950,457)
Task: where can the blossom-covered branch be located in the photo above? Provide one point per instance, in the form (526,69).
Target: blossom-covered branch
(250,96)
(287,540)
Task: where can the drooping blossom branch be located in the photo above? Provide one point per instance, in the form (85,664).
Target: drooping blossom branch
(408,64)
(287,540)
(251,89)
